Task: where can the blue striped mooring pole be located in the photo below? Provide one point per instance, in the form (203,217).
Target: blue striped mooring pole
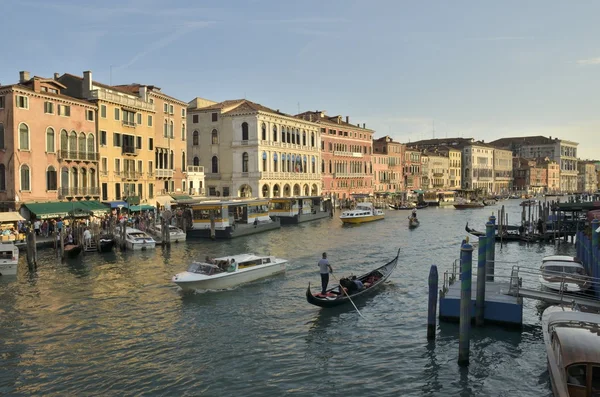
(432,307)
(465,304)
(490,239)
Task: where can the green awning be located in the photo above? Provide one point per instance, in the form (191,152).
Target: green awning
(143,207)
(56,209)
(418,191)
(179,197)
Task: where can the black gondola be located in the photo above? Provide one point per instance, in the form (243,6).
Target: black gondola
(72,250)
(407,207)
(106,243)
(336,297)
(507,236)
(413,222)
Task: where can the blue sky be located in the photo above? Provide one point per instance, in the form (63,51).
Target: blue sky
(473,68)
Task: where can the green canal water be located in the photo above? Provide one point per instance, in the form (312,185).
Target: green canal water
(114,324)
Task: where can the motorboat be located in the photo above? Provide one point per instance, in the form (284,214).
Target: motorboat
(572,340)
(563,273)
(364,212)
(462,205)
(175,234)
(135,239)
(407,206)
(9,259)
(228,271)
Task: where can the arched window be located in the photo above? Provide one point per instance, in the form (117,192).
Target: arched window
(312,139)
(244,131)
(64,178)
(293,137)
(195,138)
(274,133)
(304,138)
(172,130)
(215,137)
(74,178)
(2,136)
(25,178)
(93,179)
(215,165)
(50,146)
(196,160)
(245,162)
(323,166)
(171,161)
(24,140)
(274,162)
(64,142)
(166,129)
(264,132)
(2,177)
(91,147)
(282,134)
(264,161)
(313,164)
(82,145)
(183,164)
(84,181)
(297,136)
(51,178)
(304,168)
(72,143)
(288,135)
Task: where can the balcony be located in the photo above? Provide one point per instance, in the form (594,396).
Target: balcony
(121,99)
(129,150)
(195,168)
(127,123)
(65,192)
(162,173)
(347,154)
(132,174)
(347,175)
(74,155)
(289,176)
(253,142)
(255,174)
(212,175)
(197,192)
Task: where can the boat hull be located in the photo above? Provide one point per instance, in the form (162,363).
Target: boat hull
(568,286)
(140,246)
(106,245)
(299,218)
(8,269)
(230,280)
(413,225)
(356,219)
(238,231)
(467,206)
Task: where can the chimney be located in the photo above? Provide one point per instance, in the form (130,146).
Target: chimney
(310,117)
(550,137)
(348,119)
(339,119)
(143,93)
(56,76)
(23,76)
(86,84)
(358,125)
(364,125)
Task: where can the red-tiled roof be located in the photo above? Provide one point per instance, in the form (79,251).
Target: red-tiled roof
(321,117)
(152,89)
(94,82)
(27,87)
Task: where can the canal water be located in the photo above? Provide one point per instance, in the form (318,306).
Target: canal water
(114,324)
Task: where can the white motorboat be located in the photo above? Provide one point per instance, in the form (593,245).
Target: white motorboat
(563,273)
(9,259)
(175,234)
(137,240)
(228,271)
(364,212)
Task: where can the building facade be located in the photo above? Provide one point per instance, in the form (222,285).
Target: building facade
(346,150)
(126,131)
(478,167)
(529,176)
(392,153)
(49,144)
(587,180)
(412,169)
(503,171)
(381,174)
(249,150)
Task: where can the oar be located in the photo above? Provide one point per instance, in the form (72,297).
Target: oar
(343,289)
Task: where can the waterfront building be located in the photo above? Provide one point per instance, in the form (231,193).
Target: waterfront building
(346,150)
(503,171)
(562,151)
(169,142)
(454,166)
(412,169)
(48,144)
(381,174)
(195,180)
(392,154)
(529,176)
(478,167)
(126,131)
(553,175)
(249,150)
(425,176)
(587,180)
(436,175)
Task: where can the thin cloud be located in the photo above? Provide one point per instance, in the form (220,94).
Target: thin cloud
(299,20)
(589,61)
(500,38)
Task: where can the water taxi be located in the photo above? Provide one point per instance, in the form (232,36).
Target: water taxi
(364,212)
(230,218)
(292,210)
(136,239)
(228,271)
(563,273)
(175,234)
(9,259)
(572,344)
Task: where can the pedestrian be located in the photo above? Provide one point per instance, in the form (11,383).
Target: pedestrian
(36,226)
(87,237)
(324,269)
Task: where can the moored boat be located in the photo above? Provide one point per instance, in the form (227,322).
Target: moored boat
(138,240)
(175,234)
(563,273)
(528,203)
(106,243)
(573,348)
(472,204)
(364,212)
(371,282)
(72,250)
(293,210)
(228,271)
(9,259)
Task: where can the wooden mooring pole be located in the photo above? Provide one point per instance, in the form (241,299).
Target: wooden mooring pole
(432,304)
(465,304)
(212,224)
(31,250)
(481,277)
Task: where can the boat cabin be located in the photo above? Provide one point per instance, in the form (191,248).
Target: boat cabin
(226,214)
(291,206)
(435,198)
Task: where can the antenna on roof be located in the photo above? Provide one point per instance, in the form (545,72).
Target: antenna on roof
(433,128)
(298,107)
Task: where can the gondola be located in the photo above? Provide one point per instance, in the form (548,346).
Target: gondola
(106,243)
(413,222)
(335,297)
(508,236)
(407,207)
(72,250)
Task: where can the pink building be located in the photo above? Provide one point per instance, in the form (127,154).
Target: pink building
(412,169)
(346,150)
(49,145)
(390,176)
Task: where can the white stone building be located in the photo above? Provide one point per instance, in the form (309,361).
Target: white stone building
(478,167)
(249,150)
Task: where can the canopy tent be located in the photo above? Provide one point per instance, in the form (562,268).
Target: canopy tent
(56,209)
(163,201)
(180,197)
(10,217)
(418,191)
(142,207)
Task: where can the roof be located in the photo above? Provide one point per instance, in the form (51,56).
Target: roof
(321,117)
(10,217)
(525,140)
(134,88)
(230,105)
(56,209)
(94,82)
(28,87)
(142,207)
(561,258)
(577,334)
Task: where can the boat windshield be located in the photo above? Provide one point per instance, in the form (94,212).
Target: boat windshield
(563,269)
(202,268)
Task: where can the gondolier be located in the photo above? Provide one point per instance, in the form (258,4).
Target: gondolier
(324,269)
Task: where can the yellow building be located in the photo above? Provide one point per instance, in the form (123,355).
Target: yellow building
(126,127)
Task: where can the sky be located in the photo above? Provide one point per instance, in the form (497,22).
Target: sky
(409,69)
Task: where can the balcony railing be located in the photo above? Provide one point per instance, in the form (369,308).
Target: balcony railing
(162,173)
(197,191)
(255,174)
(128,123)
(75,155)
(290,175)
(349,175)
(253,142)
(347,154)
(195,168)
(132,174)
(129,150)
(121,99)
(64,192)
(212,175)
